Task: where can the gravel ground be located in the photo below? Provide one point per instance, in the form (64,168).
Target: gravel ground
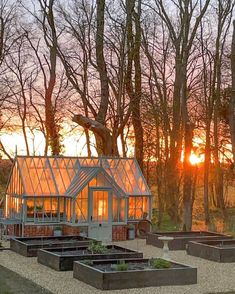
(212,277)
(11,283)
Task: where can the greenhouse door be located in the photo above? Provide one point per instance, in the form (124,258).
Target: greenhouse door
(100,214)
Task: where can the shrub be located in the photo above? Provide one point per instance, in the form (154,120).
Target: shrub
(160,263)
(122,267)
(96,247)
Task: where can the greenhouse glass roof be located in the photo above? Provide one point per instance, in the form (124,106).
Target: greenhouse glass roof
(65,175)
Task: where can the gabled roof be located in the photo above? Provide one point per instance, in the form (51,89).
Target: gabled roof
(84,176)
(45,175)
(81,179)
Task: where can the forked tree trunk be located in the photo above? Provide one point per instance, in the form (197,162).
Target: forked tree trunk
(52,128)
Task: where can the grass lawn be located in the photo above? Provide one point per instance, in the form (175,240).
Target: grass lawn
(12,283)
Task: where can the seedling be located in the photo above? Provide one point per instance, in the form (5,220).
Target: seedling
(160,263)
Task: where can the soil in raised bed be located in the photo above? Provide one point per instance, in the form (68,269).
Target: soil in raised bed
(78,251)
(50,241)
(132,266)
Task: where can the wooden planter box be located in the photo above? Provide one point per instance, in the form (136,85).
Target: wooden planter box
(181,239)
(61,259)
(95,276)
(28,246)
(220,251)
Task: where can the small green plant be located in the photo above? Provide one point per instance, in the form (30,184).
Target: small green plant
(39,207)
(160,263)
(122,266)
(96,247)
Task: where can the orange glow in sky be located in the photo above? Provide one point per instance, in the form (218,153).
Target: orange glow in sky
(74,144)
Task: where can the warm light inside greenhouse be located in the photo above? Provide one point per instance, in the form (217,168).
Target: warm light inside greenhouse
(76,190)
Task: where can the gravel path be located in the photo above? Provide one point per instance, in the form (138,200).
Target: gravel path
(11,283)
(212,276)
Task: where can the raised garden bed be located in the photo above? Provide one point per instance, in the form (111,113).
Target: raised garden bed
(182,238)
(220,251)
(132,273)
(61,259)
(29,246)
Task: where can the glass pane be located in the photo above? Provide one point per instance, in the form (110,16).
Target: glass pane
(131,213)
(30,208)
(101,181)
(100,206)
(47,208)
(23,163)
(62,205)
(115,208)
(93,182)
(122,209)
(138,213)
(68,209)
(39,208)
(54,208)
(138,206)
(7,205)
(146,205)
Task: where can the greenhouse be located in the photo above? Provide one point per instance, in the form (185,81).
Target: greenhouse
(96,193)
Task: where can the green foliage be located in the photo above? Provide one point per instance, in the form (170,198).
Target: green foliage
(160,263)
(166,225)
(39,207)
(122,266)
(96,247)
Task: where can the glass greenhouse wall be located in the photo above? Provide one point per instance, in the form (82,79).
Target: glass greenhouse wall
(76,190)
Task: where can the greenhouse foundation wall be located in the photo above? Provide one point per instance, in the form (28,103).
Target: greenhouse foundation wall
(119,232)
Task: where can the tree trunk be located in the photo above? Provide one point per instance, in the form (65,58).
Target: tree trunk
(136,116)
(104,85)
(206,173)
(232,99)
(172,178)
(51,41)
(100,131)
(133,55)
(187,185)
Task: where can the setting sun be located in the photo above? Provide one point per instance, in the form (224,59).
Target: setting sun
(195,159)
